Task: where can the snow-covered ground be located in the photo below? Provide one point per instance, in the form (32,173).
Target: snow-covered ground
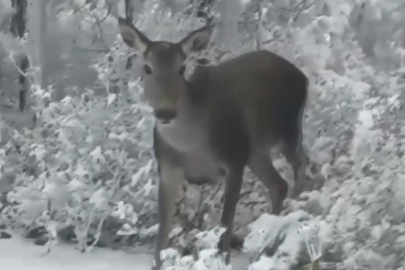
(21,254)
(354,131)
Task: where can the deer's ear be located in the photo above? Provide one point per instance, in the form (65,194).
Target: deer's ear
(197,40)
(132,36)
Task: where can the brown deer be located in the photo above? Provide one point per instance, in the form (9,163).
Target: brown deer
(223,118)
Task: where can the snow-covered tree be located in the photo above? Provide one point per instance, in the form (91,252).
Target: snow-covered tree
(85,172)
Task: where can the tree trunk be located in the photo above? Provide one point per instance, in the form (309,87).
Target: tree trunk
(129,16)
(230,12)
(42,42)
(37,34)
(18,28)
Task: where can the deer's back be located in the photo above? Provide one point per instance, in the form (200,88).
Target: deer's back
(264,90)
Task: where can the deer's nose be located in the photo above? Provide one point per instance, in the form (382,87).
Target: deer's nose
(165,115)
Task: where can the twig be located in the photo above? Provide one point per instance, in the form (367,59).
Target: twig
(18,68)
(93,50)
(259,27)
(302,8)
(268,41)
(201,212)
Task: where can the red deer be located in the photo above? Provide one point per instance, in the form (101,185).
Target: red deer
(222,119)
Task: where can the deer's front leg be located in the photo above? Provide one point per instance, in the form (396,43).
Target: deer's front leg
(170,183)
(232,192)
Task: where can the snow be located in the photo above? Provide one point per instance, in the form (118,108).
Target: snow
(18,253)
(354,134)
(291,230)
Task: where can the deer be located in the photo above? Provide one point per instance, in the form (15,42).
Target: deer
(218,121)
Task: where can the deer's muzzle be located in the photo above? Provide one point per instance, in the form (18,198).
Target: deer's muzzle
(165,115)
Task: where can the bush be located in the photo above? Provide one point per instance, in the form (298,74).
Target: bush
(86,171)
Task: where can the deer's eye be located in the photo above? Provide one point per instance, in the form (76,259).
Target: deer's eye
(147,69)
(182,70)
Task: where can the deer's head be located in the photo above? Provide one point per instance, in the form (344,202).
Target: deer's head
(164,66)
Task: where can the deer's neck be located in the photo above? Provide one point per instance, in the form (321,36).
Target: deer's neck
(188,131)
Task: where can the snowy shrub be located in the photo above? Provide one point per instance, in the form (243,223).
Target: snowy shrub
(209,257)
(85,172)
(87,165)
(88,160)
(292,243)
(87,168)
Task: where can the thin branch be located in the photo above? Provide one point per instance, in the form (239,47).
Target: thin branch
(20,71)
(302,8)
(268,41)
(93,50)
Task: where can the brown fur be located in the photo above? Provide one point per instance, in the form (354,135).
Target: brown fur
(226,117)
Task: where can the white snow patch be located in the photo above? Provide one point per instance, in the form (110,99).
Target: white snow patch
(292,231)
(267,228)
(21,254)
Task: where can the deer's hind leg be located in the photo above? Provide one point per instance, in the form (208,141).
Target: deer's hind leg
(262,166)
(295,154)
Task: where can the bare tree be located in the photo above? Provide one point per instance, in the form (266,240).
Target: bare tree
(129,16)
(18,29)
(37,29)
(229,12)
(128,10)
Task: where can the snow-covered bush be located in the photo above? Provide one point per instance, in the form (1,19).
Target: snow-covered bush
(85,171)
(88,160)
(87,167)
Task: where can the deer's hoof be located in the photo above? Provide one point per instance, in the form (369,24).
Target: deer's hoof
(236,243)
